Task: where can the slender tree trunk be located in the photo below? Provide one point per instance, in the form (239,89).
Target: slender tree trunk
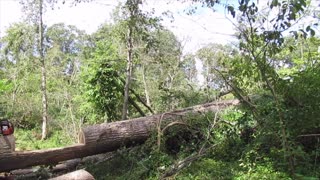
(145,87)
(207,83)
(14,93)
(43,76)
(128,73)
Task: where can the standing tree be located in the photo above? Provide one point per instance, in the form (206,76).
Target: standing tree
(135,27)
(43,76)
(213,57)
(34,10)
(262,38)
(132,6)
(189,67)
(21,101)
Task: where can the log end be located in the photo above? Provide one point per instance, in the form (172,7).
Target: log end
(79,174)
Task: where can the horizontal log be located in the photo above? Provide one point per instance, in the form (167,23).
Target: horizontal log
(101,138)
(62,168)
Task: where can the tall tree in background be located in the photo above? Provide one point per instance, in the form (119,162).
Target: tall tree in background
(213,57)
(137,25)
(21,98)
(34,10)
(190,70)
(261,39)
(132,7)
(43,76)
(64,44)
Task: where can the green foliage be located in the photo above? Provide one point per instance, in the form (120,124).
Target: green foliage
(207,168)
(136,163)
(102,82)
(5,86)
(230,159)
(272,82)
(148,161)
(31,139)
(262,172)
(272,135)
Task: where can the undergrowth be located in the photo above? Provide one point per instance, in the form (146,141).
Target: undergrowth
(221,147)
(31,140)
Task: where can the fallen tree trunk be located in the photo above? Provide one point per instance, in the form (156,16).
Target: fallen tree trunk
(102,138)
(60,169)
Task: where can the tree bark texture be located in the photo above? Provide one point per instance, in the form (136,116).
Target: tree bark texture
(104,137)
(145,86)
(128,74)
(62,168)
(138,98)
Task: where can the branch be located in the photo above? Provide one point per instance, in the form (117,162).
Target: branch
(140,100)
(138,97)
(135,105)
(309,135)
(243,98)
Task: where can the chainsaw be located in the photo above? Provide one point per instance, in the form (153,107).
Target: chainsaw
(6,127)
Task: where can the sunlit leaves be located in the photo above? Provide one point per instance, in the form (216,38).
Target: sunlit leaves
(102,84)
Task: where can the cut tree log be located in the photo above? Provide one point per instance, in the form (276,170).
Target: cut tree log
(106,137)
(62,168)
(75,175)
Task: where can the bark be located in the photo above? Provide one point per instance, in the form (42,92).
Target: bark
(106,137)
(138,98)
(146,87)
(43,77)
(79,174)
(207,82)
(135,105)
(128,74)
(62,168)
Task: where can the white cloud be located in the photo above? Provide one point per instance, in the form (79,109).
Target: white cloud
(9,13)
(203,27)
(198,29)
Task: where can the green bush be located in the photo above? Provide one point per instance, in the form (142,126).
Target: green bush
(31,140)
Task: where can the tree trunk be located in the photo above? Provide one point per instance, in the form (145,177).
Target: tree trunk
(43,76)
(138,98)
(104,137)
(145,86)
(62,168)
(129,73)
(135,105)
(141,100)
(207,82)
